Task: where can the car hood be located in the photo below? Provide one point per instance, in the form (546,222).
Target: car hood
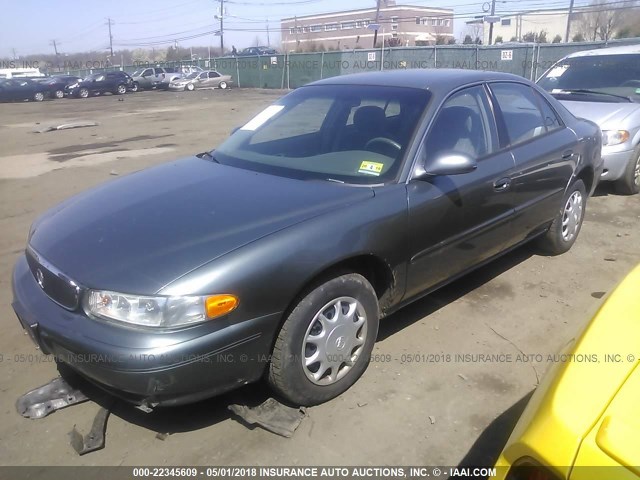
(604,114)
(140,232)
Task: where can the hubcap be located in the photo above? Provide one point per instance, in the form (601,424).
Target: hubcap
(121,89)
(571,216)
(636,176)
(59,94)
(334,340)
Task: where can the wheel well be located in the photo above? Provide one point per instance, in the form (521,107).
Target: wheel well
(586,175)
(374,269)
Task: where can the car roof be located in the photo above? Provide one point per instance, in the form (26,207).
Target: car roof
(430,78)
(620,50)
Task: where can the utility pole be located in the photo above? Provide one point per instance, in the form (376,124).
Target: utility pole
(566,34)
(13,50)
(493,12)
(109,22)
(268,40)
(221,27)
(55,47)
(375,32)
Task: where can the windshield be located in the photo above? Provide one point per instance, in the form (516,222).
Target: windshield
(606,74)
(137,73)
(348,133)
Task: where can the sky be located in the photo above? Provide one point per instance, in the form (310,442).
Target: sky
(30,26)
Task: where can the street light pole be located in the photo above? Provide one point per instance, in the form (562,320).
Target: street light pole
(493,12)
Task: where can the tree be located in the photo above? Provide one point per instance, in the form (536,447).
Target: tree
(514,39)
(541,37)
(440,40)
(451,41)
(498,39)
(599,21)
(467,40)
(578,37)
(529,37)
(557,39)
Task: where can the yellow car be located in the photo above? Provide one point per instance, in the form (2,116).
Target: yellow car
(583,421)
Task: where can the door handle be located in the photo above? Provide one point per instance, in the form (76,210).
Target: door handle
(567,154)
(502,185)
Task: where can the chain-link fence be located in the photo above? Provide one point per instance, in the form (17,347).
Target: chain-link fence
(293,70)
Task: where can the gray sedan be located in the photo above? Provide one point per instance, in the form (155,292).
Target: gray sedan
(206,79)
(275,255)
(604,86)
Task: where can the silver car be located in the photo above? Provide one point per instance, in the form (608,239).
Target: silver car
(206,79)
(604,86)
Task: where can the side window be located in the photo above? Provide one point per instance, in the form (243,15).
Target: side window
(520,110)
(147,73)
(305,118)
(213,75)
(551,120)
(463,125)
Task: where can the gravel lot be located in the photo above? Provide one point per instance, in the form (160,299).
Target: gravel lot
(414,406)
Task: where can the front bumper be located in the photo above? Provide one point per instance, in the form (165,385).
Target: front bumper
(615,164)
(140,365)
(177,88)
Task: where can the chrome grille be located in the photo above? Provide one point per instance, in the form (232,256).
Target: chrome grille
(59,287)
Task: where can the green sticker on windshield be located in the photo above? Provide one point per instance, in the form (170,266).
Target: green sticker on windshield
(638,91)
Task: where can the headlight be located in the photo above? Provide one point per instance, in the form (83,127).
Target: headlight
(158,311)
(614,137)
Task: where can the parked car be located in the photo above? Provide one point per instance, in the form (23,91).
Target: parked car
(604,86)
(366,192)
(56,85)
(257,51)
(21,89)
(157,77)
(206,79)
(175,73)
(583,420)
(117,83)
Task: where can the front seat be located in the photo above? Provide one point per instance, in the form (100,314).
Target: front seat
(369,122)
(453,132)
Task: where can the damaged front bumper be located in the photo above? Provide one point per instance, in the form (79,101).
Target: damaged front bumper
(142,366)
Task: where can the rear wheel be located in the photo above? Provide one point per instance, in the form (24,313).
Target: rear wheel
(38,96)
(135,87)
(325,343)
(629,184)
(121,89)
(58,94)
(566,226)
(223,85)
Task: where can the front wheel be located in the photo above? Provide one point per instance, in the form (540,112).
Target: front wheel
(190,87)
(566,226)
(38,96)
(83,93)
(629,184)
(325,343)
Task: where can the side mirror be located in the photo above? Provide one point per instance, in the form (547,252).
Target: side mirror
(450,164)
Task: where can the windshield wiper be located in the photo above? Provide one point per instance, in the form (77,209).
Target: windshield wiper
(593,92)
(208,155)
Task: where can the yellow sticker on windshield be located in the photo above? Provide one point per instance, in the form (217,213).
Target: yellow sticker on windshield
(371,168)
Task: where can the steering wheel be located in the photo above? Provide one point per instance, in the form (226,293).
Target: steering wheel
(385,140)
(631,83)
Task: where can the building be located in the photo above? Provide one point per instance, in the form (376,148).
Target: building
(400,25)
(515,27)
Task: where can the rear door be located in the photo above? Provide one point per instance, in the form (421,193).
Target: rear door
(459,221)
(544,152)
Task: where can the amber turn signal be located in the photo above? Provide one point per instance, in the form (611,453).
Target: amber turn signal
(218,305)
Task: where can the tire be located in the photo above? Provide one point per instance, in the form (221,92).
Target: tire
(347,341)
(58,94)
(121,89)
(135,87)
(223,85)
(190,87)
(83,93)
(629,184)
(568,221)
(38,97)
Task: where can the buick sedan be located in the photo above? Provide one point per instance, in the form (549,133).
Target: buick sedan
(276,255)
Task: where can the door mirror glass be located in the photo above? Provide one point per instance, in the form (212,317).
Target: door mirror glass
(450,164)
